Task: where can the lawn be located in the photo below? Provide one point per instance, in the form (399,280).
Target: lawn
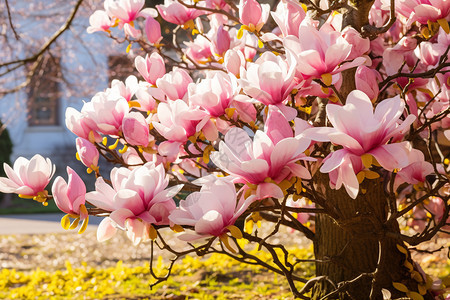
(72,266)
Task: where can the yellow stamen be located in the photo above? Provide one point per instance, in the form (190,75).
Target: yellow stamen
(65,222)
(134,103)
(77,155)
(105,141)
(240,32)
(83,225)
(114,146)
(74,223)
(128,48)
(26,196)
(260,44)
(305,8)
(124,149)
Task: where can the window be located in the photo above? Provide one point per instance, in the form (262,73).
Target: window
(44,93)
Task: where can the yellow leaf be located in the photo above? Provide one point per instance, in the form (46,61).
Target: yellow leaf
(366,160)
(400,286)
(422,289)
(177,228)
(371,174)
(444,25)
(249,226)
(408,265)
(415,296)
(360,176)
(402,249)
(417,277)
(226,242)
(327,79)
(235,232)
(152,233)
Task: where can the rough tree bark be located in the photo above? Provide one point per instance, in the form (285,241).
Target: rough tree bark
(357,243)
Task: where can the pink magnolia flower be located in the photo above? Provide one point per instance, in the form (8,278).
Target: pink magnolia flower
(221,41)
(431,209)
(270,158)
(423,11)
(270,80)
(70,198)
(28,178)
(127,89)
(135,129)
(360,45)
(153,31)
(362,131)
(81,125)
(87,153)
(320,53)
(147,96)
(151,67)
(137,199)
(212,211)
(107,111)
(288,16)
(234,61)
(366,80)
(175,83)
(99,21)
(177,122)
(252,14)
(174,12)
(394,57)
(126,11)
(199,50)
(215,93)
(416,171)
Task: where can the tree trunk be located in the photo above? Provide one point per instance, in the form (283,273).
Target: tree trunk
(351,246)
(357,243)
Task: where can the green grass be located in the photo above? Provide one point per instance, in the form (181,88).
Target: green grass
(28,206)
(215,277)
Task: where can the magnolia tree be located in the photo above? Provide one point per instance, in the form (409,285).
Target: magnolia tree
(329,118)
